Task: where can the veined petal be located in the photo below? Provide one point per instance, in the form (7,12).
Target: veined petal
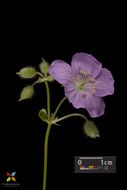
(104,83)
(74,96)
(94,105)
(61,72)
(83,62)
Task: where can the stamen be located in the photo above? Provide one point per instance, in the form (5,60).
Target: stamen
(84,81)
(85,72)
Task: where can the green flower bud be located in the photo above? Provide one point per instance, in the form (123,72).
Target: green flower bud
(90,129)
(44,66)
(27,72)
(43,114)
(27,92)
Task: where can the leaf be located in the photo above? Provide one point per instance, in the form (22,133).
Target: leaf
(43,114)
(27,72)
(27,92)
(44,66)
(90,129)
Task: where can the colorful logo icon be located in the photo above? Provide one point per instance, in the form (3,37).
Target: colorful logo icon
(10,176)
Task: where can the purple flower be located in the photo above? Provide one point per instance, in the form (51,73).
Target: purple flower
(85,82)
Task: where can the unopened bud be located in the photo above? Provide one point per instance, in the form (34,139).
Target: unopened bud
(27,72)
(27,92)
(43,114)
(44,66)
(91,129)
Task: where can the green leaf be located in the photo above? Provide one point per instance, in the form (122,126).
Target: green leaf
(27,92)
(27,72)
(43,114)
(44,66)
(91,129)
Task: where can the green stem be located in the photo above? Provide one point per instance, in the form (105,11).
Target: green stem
(58,107)
(41,75)
(72,115)
(46,137)
(48,99)
(46,156)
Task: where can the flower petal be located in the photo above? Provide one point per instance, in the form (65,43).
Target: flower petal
(74,96)
(61,72)
(104,83)
(83,62)
(94,105)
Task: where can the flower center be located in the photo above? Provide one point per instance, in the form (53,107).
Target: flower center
(84,82)
(80,85)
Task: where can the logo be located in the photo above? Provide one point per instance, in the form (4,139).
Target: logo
(10,177)
(9,180)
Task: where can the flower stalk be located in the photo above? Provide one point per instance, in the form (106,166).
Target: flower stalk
(46,156)
(70,115)
(58,107)
(48,99)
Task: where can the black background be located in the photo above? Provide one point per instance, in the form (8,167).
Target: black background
(57,31)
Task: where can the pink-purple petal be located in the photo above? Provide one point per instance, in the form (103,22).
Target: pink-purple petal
(85,62)
(74,97)
(61,72)
(94,105)
(104,83)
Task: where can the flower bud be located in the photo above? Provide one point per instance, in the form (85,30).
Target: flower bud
(44,66)
(90,129)
(27,72)
(27,92)
(43,114)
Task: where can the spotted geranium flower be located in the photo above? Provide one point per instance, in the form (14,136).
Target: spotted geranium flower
(85,82)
